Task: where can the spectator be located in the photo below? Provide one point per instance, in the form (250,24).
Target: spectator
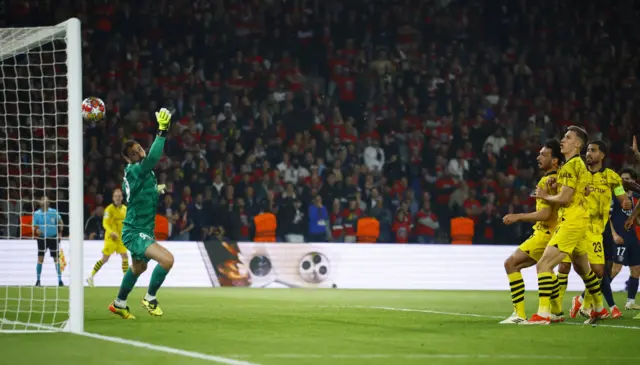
(93,229)
(200,219)
(350,218)
(496,142)
(235,220)
(10,210)
(402,227)
(184,225)
(457,199)
(374,157)
(337,222)
(318,221)
(239,110)
(458,166)
(384,216)
(426,224)
(292,222)
(472,207)
(488,224)
(295,172)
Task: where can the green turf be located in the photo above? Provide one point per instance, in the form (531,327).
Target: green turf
(287,327)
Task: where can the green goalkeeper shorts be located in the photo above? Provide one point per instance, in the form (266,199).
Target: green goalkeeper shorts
(137,243)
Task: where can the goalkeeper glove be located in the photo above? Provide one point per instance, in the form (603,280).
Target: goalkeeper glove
(161,188)
(163,117)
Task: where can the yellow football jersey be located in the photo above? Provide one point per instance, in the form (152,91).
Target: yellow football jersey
(604,182)
(113,219)
(550,224)
(574,174)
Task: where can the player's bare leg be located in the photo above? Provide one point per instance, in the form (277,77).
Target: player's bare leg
(98,265)
(164,258)
(592,285)
(119,306)
(551,258)
(633,289)
(615,270)
(513,265)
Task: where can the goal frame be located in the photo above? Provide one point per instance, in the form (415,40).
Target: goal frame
(69,30)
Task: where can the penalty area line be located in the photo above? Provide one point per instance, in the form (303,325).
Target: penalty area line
(168,350)
(455,314)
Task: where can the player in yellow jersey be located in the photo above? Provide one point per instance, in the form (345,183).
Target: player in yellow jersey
(545,218)
(569,237)
(604,182)
(112,222)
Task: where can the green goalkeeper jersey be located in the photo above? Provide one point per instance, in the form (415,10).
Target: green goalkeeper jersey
(141,191)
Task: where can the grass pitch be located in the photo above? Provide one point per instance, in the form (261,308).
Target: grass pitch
(294,326)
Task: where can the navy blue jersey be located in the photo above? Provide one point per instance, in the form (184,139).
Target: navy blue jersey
(619,216)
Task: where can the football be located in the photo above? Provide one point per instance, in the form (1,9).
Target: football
(93,109)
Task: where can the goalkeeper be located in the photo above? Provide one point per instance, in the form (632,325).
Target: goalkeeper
(141,189)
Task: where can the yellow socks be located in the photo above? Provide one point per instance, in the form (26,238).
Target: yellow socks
(592,286)
(97,267)
(587,301)
(516,286)
(545,289)
(563,280)
(125,265)
(556,306)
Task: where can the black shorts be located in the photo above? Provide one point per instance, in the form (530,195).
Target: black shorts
(627,254)
(49,243)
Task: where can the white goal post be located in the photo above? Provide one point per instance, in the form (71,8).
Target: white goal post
(41,96)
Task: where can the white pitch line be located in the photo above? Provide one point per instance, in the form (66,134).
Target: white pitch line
(169,350)
(431,356)
(455,314)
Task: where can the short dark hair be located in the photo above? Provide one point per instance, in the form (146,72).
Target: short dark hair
(581,133)
(554,146)
(127,147)
(629,171)
(601,145)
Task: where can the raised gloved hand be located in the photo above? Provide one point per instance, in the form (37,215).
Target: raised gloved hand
(163,117)
(161,188)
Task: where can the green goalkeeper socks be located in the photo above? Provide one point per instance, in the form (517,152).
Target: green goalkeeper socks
(128,282)
(157,278)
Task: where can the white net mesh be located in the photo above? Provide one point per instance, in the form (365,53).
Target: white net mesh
(33,164)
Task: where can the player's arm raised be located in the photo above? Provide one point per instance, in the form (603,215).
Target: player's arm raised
(634,148)
(163,118)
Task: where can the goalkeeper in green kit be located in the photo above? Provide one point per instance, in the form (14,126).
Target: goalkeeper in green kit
(141,189)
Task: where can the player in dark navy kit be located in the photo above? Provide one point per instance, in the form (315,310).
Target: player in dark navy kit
(622,245)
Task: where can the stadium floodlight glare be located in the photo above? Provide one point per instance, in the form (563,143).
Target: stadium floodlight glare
(41,133)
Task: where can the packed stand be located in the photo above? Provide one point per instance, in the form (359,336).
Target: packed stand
(412,112)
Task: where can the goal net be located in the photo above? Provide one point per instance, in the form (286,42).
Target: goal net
(41,156)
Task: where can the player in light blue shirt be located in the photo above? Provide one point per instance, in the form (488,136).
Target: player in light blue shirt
(47,223)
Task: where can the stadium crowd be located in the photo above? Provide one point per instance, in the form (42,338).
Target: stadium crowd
(410,111)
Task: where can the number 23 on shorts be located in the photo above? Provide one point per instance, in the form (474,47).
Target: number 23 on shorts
(597,247)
